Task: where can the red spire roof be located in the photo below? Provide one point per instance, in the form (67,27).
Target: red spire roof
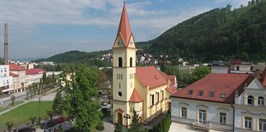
(124,29)
(135,97)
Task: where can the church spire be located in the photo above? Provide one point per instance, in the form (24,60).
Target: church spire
(124,29)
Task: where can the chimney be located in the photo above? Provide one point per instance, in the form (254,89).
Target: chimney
(6,45)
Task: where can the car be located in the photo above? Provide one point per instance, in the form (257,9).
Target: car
(24,128)
(49,124)
(59,119)
(104,103)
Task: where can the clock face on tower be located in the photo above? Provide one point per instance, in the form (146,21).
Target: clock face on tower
(119,42)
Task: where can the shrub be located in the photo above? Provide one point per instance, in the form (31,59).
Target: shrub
(100,126)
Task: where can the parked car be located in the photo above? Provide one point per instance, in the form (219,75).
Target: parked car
(48,124)
(59,119)
(24,128)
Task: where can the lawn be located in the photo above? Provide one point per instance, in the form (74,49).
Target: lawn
(22,114)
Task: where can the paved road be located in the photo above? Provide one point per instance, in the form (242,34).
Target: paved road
(6,100)
(108,125)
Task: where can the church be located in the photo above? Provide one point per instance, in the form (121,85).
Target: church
(145,90)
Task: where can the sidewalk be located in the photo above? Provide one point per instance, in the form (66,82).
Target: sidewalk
(16,95)
(48,97)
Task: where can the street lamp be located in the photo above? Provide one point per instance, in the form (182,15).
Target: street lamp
(127,116)
(39,109)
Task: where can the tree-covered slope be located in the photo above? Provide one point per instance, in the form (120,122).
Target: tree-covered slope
(217,34)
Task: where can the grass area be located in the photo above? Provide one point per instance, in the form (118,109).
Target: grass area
(3,108)
(22,114)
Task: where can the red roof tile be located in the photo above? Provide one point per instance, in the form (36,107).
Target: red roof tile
(124,27)
(219,84)
(263,78)
(135,97)
(172,89)
(150,76)
(35,71)
(15,67)
(13,74)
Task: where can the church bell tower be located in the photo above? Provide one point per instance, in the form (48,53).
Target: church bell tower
(124,69)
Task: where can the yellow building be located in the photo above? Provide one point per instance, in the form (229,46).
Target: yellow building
(143,89)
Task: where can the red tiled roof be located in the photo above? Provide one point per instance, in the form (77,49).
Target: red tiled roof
(263,78)
(172,78)
(124,27)
(15,67)
(150,76)
(219,84)
(135,97)
(171,89)
(35,71)
(13,74)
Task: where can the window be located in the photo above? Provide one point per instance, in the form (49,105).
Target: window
(250,100)
(223,95)
(190,92)
(262,124)
(158,97)
(248,122)
(119,94)
(222,118)
(211,94)
(202,116)
(131,76)
(120,61)
(119,85)
(162,95)
(261,101)
(183,112)
(237,68)
(131,108)
(200,93)
(130,61)
(152,99)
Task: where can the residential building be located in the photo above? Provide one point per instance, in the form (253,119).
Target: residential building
(19,77)
(5,80)
(208,103)
(34,75)
(145,90)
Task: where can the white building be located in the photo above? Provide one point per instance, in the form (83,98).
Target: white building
(208,103)
(5,79)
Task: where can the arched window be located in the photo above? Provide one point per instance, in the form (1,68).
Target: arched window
(130,61)
(120,61)
(250,100)
(261,101)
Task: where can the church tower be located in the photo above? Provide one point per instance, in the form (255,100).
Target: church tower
(124,69)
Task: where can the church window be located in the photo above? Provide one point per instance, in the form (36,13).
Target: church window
(130,61)
(119,94)
(119,85)
(120,61)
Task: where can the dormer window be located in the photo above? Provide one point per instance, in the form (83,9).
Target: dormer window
(250,100)
(223,95)
(190,92)
(211,94)
(200,93)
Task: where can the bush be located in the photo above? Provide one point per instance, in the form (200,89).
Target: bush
(163,126)
(100,126)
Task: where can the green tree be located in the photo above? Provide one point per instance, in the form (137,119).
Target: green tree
(200,72)
(58,103)
(13,98)
(135,124)
(50,113)
(44,78)
(81,95)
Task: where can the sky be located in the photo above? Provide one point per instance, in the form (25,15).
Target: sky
(42,28)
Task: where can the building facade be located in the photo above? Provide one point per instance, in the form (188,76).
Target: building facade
(145,90)
(5,80)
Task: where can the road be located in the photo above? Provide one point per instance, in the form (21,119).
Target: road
(6,100)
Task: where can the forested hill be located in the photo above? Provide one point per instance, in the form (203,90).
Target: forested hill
(222,34)
(78,57)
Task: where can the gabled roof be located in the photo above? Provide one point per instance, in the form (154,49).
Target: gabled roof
(15,67)
(35,71)
(223,87)
(263,78)
(124,29)
(135,97)
(13,74)
(150,76)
